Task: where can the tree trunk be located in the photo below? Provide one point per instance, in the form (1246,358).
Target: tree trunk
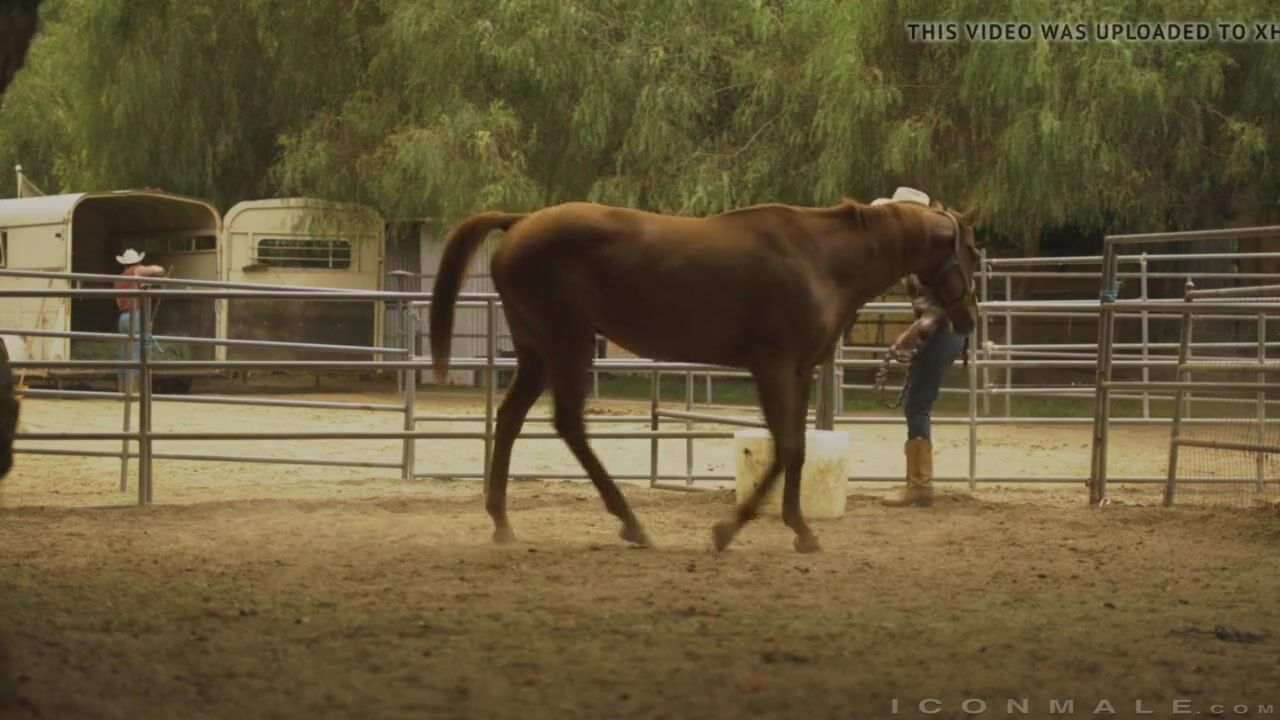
(17,25)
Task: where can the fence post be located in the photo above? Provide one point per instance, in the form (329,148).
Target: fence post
(127,388)
(985,336)
(401,336)
(1008,342)
(1146,334)
(409,378)
(655,380)
(973,415)
(490,383)
(837,379)
(826,410)
(1262,400)
(144,405)
(1179,375)
(688,426)
(595,374)
(1107,293)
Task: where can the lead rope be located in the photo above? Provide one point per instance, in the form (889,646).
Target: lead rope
(882,380)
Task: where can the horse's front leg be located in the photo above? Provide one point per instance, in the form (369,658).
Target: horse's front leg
(806,541)
(784,397)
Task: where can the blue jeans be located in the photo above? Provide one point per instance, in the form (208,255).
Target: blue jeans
(128,350)
(924,379)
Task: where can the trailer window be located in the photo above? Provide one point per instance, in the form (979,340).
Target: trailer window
(318,253)
(171,245)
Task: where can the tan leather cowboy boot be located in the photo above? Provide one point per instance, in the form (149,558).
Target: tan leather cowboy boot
(919,490)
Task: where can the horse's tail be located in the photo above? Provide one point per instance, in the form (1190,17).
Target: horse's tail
(458,251)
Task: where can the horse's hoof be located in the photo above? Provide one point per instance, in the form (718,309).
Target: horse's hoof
(636,535)
(504,535)
(722,533)
(807,544)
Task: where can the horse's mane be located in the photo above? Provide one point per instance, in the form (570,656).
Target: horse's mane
(844,207)
(763,207)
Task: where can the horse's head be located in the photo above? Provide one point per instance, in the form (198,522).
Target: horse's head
(950,265)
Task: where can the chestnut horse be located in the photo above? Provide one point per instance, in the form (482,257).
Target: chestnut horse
(768,288)
(8,412)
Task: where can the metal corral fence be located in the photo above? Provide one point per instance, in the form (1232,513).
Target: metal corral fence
(989,375)
(398,360)
(992,361)
(1153,276)
(1245,310)
(403,361)
(1145,334)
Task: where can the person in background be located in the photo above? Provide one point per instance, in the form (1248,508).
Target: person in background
(931,347)
(132,262)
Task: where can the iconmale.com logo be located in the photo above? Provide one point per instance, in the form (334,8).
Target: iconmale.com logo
(1071,707)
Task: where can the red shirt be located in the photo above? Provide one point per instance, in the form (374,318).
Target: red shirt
(123,303)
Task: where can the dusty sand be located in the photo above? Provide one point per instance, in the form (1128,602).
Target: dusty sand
(1054,451)
(277,591)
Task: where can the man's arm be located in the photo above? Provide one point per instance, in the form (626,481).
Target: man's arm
(151,271)
(904,348)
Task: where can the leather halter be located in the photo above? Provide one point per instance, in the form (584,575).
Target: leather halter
(952,263)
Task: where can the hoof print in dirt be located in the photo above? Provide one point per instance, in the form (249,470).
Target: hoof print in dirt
(1226,634)
(773,657)
(807,545)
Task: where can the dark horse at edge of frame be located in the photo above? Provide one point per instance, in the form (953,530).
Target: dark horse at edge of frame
(768,288)
(8,412)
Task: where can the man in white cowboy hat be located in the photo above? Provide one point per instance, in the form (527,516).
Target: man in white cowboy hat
(132,262)
(931,347)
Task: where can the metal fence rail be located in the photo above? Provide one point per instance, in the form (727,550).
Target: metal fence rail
(985,358)
(141,433)
(1218,303)
(992,361)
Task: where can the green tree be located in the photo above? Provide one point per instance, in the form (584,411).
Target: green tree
(188,96)
(439,108)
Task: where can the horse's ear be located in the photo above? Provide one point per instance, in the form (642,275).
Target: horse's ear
(969,217)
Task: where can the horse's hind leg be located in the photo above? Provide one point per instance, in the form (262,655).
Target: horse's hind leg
(524,391)
(805,541)
(569,384)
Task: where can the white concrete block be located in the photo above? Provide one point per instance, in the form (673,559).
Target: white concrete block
(823,482)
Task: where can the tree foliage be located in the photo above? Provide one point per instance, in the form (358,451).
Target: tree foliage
(440,108)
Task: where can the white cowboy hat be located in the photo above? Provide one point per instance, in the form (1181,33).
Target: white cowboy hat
(130,257)
(904,194)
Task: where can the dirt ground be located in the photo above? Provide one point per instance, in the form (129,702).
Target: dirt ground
(279,591)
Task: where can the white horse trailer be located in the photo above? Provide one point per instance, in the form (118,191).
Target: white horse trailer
(292,241)
(303,242)
(83,233)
